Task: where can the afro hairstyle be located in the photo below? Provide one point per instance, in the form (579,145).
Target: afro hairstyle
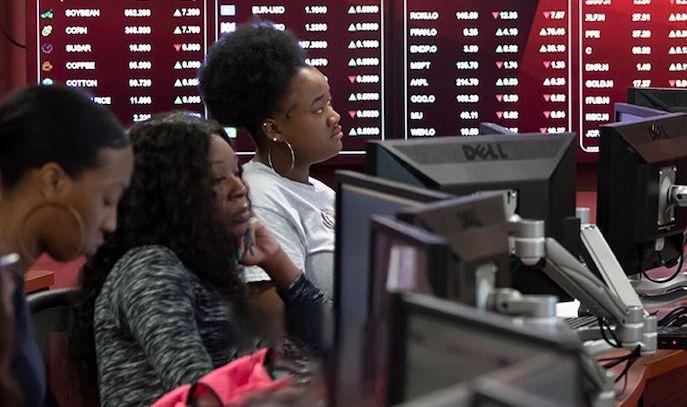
(246,76)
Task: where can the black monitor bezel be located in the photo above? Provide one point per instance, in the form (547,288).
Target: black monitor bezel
(403,304)
(556,177)
(438,252)
(635,110)
(378,185)
(655,101)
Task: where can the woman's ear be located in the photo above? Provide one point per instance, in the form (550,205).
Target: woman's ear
(54,181)
(270,129)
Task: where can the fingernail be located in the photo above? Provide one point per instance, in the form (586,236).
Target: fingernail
(238,255)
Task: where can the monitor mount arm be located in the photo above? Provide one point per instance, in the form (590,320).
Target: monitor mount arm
(541,311)
(631,324)
(677,195)
(527,242)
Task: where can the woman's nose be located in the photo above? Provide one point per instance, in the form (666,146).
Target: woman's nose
(238,188)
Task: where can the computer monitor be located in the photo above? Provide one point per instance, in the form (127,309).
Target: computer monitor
(541,168)
(666,99)
(476,230)
(440,256)
(638,162)
(493,128)
(435,344)
(407,258)
(404,258)
(626,112)
(358,197)
(531,382)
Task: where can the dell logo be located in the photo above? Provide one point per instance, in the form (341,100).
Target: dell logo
(658,132)
(484,151)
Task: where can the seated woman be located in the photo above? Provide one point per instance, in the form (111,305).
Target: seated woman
(257,78)
(153,304)
(64,163)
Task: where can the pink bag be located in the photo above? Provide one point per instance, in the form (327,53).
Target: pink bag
(229,384)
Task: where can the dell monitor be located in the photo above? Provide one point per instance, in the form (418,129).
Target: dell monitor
(625,112)
(493,128)
(523,384)
(638,164)
(435,344)
(540,168)
(666,99)
(439,256)
(404,258)
(476,230)
(358,197)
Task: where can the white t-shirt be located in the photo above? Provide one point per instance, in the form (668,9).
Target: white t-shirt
(301,216)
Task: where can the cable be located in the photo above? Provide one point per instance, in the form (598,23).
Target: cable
(672,317)
(615,358)
(602,324)
(679,266)
(631,359)
(613,335)
(679,321)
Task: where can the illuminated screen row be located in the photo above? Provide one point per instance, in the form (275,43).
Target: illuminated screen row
(398,69)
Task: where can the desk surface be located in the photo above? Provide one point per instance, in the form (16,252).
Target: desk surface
(660,377)
(38,280)
(662,363)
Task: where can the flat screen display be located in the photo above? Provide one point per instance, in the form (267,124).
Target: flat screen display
(397,68)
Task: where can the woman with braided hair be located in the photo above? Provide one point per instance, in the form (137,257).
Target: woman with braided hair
(158,300)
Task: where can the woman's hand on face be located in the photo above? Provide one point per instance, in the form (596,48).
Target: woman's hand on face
(258,244)
(259,247)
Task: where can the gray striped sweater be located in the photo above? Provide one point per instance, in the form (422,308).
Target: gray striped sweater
(157,327)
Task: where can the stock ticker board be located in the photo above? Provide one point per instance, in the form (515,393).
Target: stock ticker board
(397,69)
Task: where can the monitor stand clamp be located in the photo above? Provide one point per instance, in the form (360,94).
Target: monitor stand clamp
(671,196)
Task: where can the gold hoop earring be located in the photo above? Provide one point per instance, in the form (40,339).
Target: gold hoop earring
(291,152)
(78,218)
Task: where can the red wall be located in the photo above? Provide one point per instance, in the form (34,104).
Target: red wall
(12,58)
(13,76)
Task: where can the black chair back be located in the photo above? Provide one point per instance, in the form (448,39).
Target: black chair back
(50,314)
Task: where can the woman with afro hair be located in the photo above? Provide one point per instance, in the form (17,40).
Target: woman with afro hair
(157,300)
(257,78)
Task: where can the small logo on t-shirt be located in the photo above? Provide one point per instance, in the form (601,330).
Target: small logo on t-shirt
(328,219)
